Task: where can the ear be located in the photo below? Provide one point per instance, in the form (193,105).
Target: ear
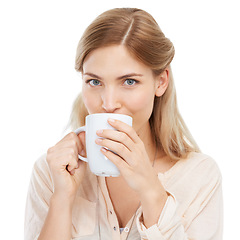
(162,83)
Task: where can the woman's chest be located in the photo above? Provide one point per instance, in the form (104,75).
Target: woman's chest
(124,200)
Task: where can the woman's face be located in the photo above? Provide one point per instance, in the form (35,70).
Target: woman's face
(115,82)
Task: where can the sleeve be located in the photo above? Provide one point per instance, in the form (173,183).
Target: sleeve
(201,221)
(37,205)
(39,193)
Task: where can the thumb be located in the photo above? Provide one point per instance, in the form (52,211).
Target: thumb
(82,138)
(79,172)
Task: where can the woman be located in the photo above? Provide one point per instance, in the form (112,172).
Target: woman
(167,188)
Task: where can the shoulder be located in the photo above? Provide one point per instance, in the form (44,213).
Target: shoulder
(201,167)
(41,164)
(41,172)
(202,162)
(197,168)
(194,179)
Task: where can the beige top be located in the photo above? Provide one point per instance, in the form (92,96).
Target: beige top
(192,211)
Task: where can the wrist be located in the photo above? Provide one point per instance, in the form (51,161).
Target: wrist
(59,200)
(153,200)
(153,191)
(58,223)
(154,196)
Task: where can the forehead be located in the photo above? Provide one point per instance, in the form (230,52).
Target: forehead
(114,59)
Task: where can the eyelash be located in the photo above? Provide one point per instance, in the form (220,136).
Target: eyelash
(90,80)
(135,81)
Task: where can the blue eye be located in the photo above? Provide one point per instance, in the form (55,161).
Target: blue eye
(130,82)
(94,82)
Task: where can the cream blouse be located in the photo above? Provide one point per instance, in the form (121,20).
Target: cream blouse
(193,210)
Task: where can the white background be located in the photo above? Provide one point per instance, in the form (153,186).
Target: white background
(39,84)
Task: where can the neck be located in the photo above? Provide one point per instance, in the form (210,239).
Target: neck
(145,135)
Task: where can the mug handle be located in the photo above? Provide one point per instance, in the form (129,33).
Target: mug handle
(77,131)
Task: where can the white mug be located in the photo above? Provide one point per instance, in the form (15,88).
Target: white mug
(98,163)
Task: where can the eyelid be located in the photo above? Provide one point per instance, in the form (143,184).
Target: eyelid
(89,80)
(124,81)
(135,81)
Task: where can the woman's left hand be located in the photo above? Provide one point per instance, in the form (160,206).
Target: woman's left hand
(131,157)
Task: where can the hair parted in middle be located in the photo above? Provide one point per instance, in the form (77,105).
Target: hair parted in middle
(138,31)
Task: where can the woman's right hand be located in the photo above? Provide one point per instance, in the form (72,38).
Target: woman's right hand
(66,169)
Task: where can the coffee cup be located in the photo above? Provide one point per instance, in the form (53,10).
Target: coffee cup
(98,163)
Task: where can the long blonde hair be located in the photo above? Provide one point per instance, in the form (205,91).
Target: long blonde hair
(140,34)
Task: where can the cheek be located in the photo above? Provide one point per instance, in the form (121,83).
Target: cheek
(141,108)
(90,101)
(141,102)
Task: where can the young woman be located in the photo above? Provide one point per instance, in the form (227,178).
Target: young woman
(167,188)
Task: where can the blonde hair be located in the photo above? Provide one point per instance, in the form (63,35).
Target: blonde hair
(140,34)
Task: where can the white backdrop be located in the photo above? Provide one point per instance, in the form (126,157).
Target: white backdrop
(39,84)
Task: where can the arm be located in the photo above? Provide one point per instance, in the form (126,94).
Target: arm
(202,219)
(44,212)
(42,205)
(52,192)
(160,218)
(58,223)
(133,162)
(37,203)
(152,201)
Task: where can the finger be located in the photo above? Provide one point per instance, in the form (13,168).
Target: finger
(72,163)
(72,172)
(115,159)
(76,141)
(116,148)
(79,172)
(71,140)
(117,136)
(63,157)
(123,127)
(82,138)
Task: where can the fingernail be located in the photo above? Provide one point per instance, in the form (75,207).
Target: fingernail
(104,149)
(98,140)
(82,152)
(99,132)
(111,120)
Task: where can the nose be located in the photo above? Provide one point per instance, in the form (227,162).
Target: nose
(110,100)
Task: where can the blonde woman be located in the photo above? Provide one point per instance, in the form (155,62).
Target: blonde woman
(167,188)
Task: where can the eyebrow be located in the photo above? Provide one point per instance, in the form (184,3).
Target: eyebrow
(119,78)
